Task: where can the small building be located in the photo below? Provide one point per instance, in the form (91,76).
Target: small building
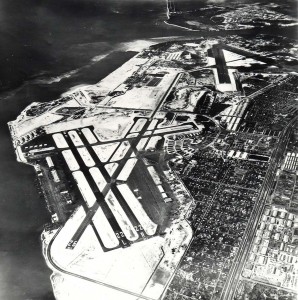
(166,200)
(55,176)
(289,223)
(264,250)
(261,260)
(276,236)
(55,218)
(49,162)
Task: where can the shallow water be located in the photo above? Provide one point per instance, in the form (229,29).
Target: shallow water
(48,49)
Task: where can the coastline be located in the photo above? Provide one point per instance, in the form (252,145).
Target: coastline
(240,31)
(80,73)
(183,240)
(26,205)
(182,27)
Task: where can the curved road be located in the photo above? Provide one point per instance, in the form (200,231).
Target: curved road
(60,270)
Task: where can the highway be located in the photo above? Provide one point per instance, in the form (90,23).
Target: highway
(264,89)
(230,286)
(216,191)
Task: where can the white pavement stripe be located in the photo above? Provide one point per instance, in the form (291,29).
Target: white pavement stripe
(98,178)
(121,217)
(121,151)
(141,144)
(84,188)
(75,138)
(90,137)
(60,140)
(104,229)
(88,160)
(127,169)
(139,125)
(111,168)
(138,210)
(70,160)
(105,151)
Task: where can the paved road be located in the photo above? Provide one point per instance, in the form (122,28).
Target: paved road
(111,180)
(100,195)
(111,185)
(230,286)
(61,270)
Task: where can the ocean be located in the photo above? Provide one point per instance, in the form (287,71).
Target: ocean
(50,48)
(47,47)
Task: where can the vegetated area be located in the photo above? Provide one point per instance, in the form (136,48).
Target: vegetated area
(273,109)
(215,17)
(224,192)
(258,291)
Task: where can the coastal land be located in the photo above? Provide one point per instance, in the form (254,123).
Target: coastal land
(141,171)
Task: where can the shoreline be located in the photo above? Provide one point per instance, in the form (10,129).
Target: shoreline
(184,240)
(60,78)
(182,27)
(282,30)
